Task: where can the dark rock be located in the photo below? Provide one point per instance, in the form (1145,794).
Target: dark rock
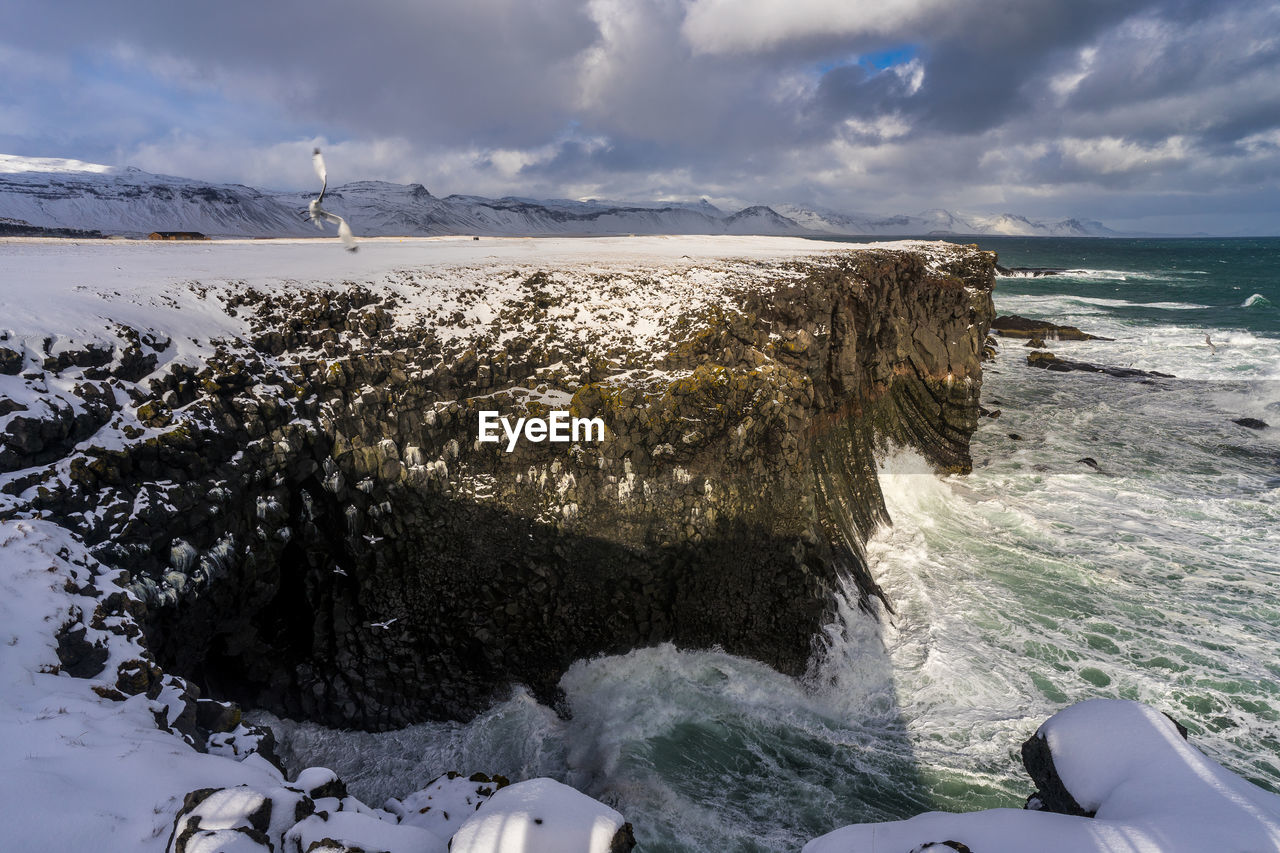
(10,362)
(139,676)
(624,840)
(1049,361)
(1251,423)
(77,656)
(93,355)
(1014,326)
(1028,272)
(1035,343)
(1182,730)
(213,716)
(1015,436)
(330,845)
(1051,794)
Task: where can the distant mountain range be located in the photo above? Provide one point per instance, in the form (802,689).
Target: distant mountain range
(52,194)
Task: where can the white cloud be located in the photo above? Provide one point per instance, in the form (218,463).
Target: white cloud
(912,74)
(1109,155)
(732,26)
(883,128)
(1066,82)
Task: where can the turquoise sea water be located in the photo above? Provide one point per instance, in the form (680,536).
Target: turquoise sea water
(1033,583)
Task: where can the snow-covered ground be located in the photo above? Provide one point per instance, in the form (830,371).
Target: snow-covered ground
(82,289)
(83,767)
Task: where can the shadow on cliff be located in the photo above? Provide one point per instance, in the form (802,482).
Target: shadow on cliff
(431,611)
(436,612)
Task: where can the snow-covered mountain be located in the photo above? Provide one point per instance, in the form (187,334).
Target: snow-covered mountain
(376,208)
(50,193)
(939,222)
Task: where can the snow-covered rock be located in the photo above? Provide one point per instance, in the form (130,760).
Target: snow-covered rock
(543,816)
(453,814)
(446,802)
(1150,791)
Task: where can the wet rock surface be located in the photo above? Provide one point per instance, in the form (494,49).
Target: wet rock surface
(312,527)
(1049,361)
(1015,326)
(1028,272)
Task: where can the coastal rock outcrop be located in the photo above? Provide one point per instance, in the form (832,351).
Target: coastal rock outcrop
(1015,326)
(313,526)
(1051,362)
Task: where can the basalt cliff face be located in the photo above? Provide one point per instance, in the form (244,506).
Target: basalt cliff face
(310,524)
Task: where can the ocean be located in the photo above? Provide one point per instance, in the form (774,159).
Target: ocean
(1033,583)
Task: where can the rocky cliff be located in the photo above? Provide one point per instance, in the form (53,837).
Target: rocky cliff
(311,525)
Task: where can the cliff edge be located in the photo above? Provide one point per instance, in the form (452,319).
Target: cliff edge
(291,471)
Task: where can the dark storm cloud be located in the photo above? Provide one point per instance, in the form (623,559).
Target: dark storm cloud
(447,71)
(1029,105)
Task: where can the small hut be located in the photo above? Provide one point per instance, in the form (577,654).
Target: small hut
(177,235)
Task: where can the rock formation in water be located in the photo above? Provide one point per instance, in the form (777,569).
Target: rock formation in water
(312,526)
(1049,361)
(1015,326)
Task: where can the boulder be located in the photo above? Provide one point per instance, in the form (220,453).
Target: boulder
(1250,423)
(236,820)
(543,816)
(10,362)
(1051,362)
(1015,326)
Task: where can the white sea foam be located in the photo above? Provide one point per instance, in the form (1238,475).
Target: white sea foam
(1124,303)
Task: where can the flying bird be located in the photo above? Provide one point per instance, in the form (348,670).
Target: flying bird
(319,215)
(384,625)
(1213,350)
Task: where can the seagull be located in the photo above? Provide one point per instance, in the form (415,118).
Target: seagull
(318,215)
(1212,349)
(337,570)
(384,625)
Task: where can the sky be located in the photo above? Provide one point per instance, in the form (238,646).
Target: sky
(1152,115)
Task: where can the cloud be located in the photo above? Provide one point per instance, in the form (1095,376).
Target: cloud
(900,105)
(737,26)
